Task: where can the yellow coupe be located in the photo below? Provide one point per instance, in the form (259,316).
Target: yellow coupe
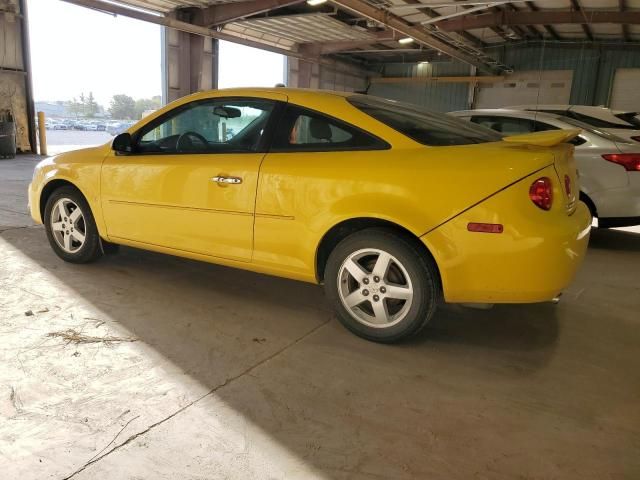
(391,207)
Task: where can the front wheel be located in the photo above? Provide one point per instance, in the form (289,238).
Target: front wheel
(70,226)
(383,286)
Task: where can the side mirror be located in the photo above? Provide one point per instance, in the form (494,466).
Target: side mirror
(122,143)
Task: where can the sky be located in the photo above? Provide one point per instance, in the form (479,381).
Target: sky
(76,50)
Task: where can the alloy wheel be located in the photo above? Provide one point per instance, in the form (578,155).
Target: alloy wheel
(68,225)
(375,288)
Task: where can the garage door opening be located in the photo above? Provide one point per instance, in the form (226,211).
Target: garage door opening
(94,73)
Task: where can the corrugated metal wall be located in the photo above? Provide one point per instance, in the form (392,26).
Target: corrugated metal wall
(440,97)
(594,67)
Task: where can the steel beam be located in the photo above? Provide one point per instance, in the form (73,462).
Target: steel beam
(228,12)
(421,36)
(325,48)
(509,18)
(189,28)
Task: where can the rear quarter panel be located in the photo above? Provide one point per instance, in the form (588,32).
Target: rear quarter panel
(301,196)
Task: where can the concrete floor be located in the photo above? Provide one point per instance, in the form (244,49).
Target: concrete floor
(217,373)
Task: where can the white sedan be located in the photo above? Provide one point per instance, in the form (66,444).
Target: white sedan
(609,166)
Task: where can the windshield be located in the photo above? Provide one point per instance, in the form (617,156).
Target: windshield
(421,125)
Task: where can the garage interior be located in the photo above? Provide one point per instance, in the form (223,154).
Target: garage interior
(150,366)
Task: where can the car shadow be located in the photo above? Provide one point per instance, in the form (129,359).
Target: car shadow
(611,239)
(198,317)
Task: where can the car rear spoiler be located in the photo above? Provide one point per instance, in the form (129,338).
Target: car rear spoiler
(548,138)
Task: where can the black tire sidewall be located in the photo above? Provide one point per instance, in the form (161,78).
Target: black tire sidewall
(90,251)
(420,268)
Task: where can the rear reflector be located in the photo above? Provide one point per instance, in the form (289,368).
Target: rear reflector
(541,193)
(630,161)
(485,227)
(567,185)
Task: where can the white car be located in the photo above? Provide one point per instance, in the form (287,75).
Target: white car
(622,124)
(608,166)
(92,127)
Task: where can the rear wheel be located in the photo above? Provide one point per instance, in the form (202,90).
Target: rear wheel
(70,226)
(382,286)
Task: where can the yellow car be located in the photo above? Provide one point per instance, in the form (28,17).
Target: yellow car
(393,208)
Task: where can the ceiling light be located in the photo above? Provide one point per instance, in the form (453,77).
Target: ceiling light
(313,3)
(423,63)
(404,40)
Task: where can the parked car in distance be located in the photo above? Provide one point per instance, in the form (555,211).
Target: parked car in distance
(391,207)
(101,127)
(91,127)
(59,126)
(117,128)
(623,124)
(609,166)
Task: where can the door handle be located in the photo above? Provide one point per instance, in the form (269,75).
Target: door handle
(231,180)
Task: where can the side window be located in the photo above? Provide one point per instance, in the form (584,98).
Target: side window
(302,129)
(209,126)
(543,127)
(505,125)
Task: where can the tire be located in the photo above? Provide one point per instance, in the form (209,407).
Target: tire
(64,234)
(390,306)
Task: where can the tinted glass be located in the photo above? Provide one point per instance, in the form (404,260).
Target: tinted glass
(589,120)
(210,126)
(505,125)
(633,118)
(421,125)
(302,129)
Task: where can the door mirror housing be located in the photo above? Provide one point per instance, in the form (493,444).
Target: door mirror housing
(122,143)
(227,112)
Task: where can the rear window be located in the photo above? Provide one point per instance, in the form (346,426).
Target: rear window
(632,118)
(593,130)
(589,120)
(421,125)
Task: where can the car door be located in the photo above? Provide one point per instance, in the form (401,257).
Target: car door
(190,182)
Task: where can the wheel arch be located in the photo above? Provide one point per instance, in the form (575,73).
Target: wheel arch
(342,230)
(51,187)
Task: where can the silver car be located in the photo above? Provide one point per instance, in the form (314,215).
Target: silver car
(609,166)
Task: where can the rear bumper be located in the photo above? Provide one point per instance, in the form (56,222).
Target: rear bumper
(533,260)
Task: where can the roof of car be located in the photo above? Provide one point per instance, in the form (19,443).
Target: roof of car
(292,92)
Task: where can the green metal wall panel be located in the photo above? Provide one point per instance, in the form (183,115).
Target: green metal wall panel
(443,97)
(593,65)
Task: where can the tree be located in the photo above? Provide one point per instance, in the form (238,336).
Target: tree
(122,107)
(91,107)
(74,107)
(144,104)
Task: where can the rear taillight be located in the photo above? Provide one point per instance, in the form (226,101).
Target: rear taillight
(541,193)
(636,138)
(630,161)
